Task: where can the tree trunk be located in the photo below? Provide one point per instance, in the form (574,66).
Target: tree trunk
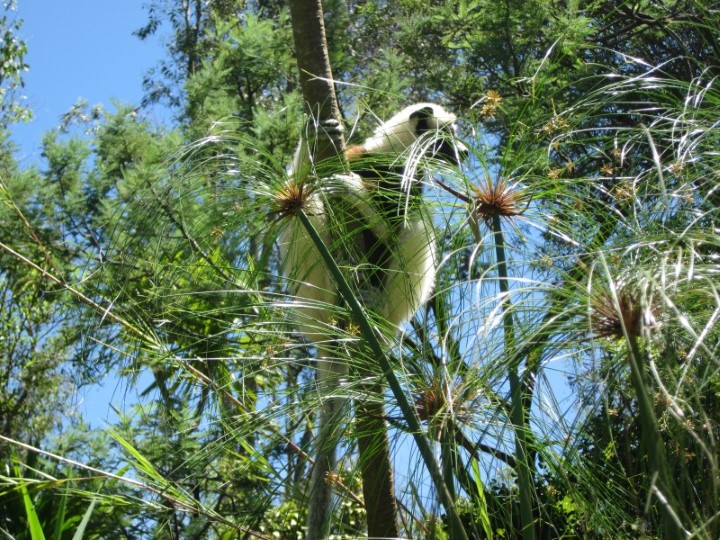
(376,466)
(319,93)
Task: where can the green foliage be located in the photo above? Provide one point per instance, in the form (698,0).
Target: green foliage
(565,373)
(35,343)
(251,68)
(12,66)
(33,523)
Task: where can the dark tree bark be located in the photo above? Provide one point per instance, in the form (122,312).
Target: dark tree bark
(319,93)
(313,62)
(376,466)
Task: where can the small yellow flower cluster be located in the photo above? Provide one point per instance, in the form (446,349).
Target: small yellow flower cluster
(491,103)
(554,125)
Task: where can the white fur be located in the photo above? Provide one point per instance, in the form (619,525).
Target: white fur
(310,279)
(412,269)
(408,280)
(411,273)
(398,133)
(312,284)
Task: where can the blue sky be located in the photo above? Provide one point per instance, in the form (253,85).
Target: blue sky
(80,49)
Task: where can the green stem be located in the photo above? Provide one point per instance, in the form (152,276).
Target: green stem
(518,413)
(653,443)
(407,410)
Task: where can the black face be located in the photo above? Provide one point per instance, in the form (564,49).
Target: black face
(444,147)
(452,153)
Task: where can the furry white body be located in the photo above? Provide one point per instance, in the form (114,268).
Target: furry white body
(406,270)
(410,274)
(411,270)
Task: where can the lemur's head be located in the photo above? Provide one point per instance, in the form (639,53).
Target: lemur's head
(411,125)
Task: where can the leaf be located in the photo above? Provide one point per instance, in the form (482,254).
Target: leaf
(482,510)
(36,532)
(85,520)
(60,514)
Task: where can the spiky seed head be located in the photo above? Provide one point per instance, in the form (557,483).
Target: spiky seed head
(332,478)
(491,102)
(430,402)
(631,313)
(498,198)
(291,198)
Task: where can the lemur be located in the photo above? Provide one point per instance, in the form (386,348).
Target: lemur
(384,192)
(382,234)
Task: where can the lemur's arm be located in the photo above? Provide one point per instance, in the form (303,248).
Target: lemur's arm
(328,132)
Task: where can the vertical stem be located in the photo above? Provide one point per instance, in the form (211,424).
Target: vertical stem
(518,415)
(447,457)
(320,498)
(449,465)
(653,443)
(313,59)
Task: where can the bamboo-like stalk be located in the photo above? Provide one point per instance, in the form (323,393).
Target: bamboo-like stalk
(376,464)
(518,413)
(653,443)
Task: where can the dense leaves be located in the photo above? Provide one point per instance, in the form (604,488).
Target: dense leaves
(565,370)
